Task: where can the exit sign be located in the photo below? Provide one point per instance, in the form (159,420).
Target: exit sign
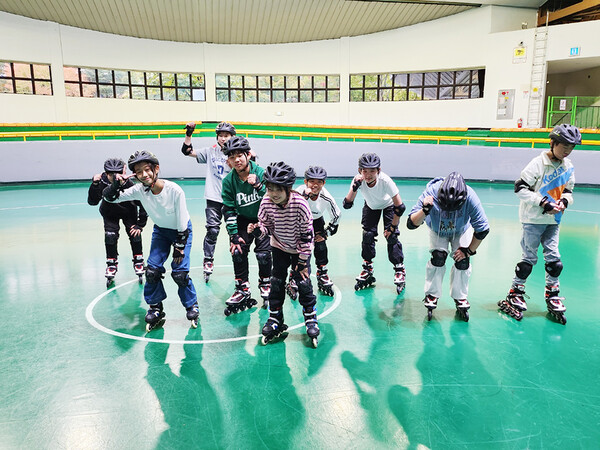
(575,51)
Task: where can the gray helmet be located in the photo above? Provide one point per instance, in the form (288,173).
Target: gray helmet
(453,192)
(141,156)
(114,165)
(225,126)
(280,173)
(369,161)
(236,144)
(567,134)
(315,173)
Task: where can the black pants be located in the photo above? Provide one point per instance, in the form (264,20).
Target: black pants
(370,220)
(320,251)
(282,261)
(262,248)
(111,235)
(214,214)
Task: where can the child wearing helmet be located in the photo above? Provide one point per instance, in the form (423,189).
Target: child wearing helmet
(243,191)
(165,203)
(455,217)
(381,198)
(320,202)
(132,214)
(217,169)
(284,214)
(545,190)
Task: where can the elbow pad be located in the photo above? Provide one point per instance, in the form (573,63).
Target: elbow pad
(399,210)
(520,185)
(410,224)
(346,204)
(331,229)
(481,234)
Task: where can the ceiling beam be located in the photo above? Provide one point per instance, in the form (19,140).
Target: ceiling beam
(564,13)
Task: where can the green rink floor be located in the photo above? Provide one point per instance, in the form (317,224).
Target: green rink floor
(79,372)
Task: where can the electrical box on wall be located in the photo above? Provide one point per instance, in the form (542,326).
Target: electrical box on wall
(506,103)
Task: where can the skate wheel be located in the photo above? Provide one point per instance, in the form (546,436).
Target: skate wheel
(563,319)
(264,340)
(194,323)
(141,280)
(109,283)
(399,289)
(429,314)
(148,328)
(227,312)
(466,316)
(315,342)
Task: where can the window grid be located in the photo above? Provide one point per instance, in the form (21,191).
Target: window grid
(25,78)
(132,84)
(278,88)
(459,84)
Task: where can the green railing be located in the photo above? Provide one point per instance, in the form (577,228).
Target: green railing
(583,112)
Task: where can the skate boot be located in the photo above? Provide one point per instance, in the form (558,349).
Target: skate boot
(514,304)
(312,325)
(273,327)
(264,284)
(324,283)
(430,303)
(138,267)
(366,278)
(208,269)
(292,288)
(462,308)
(192,315)
(399,277)
(240,299)
(111,270)
(155,317)
(555,305)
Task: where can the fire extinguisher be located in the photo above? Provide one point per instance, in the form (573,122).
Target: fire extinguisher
(520,123)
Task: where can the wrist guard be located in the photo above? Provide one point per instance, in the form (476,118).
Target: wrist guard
(189,130)
(182,237)
(392,228)
(347,204)
(300,266)
(112,191)
(565,202)
(234,239)
(466,251)
(356,184)
(426,209)
(331,229)
(256,232)
(547,204)
(186,149)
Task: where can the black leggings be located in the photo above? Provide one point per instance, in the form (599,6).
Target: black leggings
(370,220)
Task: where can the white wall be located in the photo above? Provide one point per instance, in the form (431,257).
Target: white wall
(475,38)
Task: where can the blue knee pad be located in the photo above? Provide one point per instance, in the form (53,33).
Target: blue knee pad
(110,237)
(181,278)
(523,270)
(554,268)
(463,264)
(438,258)
(153,276)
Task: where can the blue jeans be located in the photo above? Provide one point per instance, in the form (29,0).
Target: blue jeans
(533,235)
(160,249)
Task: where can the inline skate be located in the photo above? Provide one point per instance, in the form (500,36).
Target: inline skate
(208,268)
(430,303)
(192,315)
(515,303)
(366,278)
(292,288)
(462,308)
(264,285)
(324,283)
(111,270)
(240,300)
(138,267)
(554,303)
(399,277)
(274,326)
(155,317)
(312,325)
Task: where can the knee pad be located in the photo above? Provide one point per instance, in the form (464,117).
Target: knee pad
(110,237)
(438,258)
(554,268)
(368,237)
(212,233)
(264,258)
(320,246)
(137,238)
(463,264)
(181,278)
(153,275)
(523,270)
(277,288)
(239,257)
(305,288)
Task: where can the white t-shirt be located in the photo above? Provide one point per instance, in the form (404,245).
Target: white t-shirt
(166,209)
(216,169)
(380,195)
(324,202)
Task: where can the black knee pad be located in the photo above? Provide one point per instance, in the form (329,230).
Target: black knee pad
(212,233)
(320,246)
(368,237)
(554,268)
(153,276)
(523,270)
(137,238)
(463,264)
(181,278)
(277,288)
(110,237)
(305,288)
(238,256)
(264,258)
(438,258)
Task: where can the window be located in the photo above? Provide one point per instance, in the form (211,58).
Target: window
(25,78)
(397,87)
(131,84)
(278,88)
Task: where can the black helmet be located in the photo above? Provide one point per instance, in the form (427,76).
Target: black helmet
(114,165)
(236,144)
(315,173)
(280,173)
(225,126)
(141,156)
(567,134)
(369,161)
(453,192)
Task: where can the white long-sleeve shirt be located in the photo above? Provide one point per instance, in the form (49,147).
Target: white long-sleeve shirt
(324,203)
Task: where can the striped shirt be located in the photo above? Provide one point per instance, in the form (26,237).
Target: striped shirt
(290,227)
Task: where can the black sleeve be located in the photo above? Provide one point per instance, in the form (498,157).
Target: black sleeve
(142,214)
(95,193)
